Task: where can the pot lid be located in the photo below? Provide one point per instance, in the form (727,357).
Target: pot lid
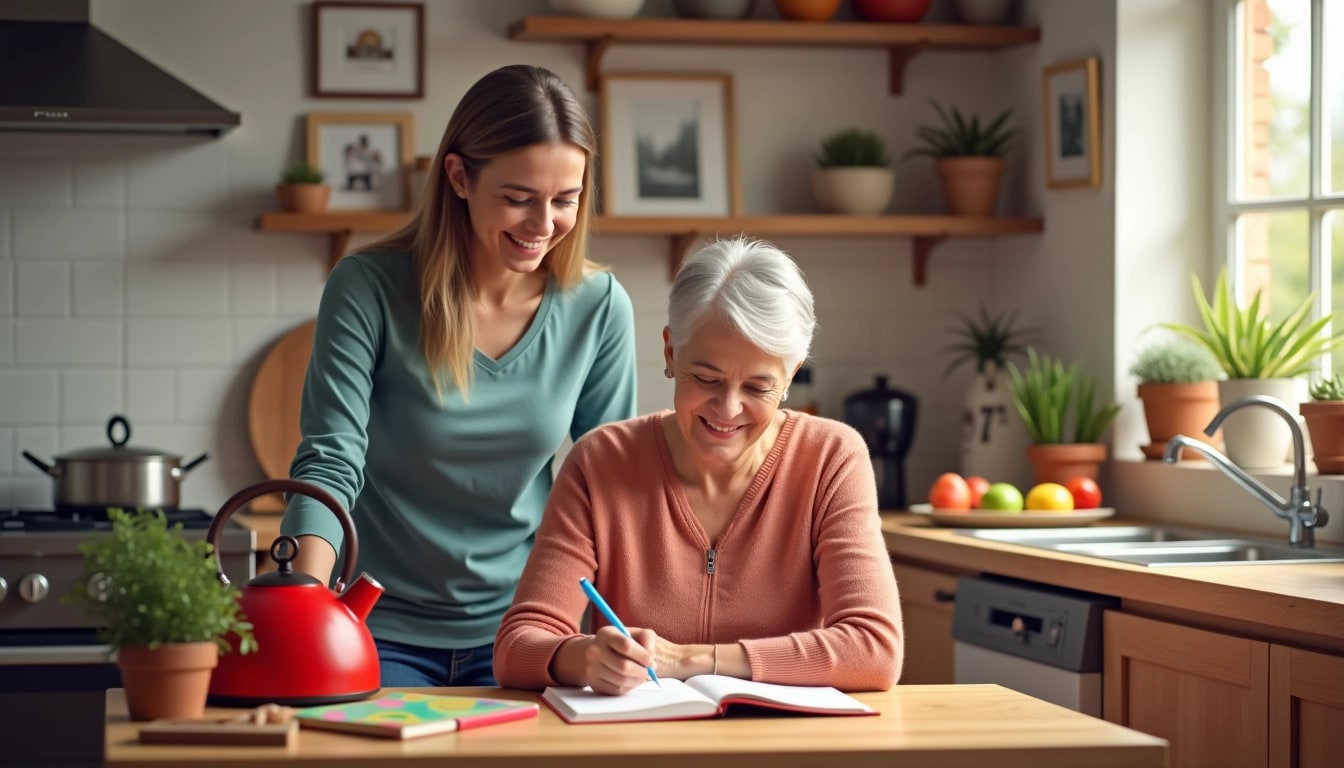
(119,450)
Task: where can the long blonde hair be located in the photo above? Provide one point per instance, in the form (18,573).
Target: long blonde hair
(506,110)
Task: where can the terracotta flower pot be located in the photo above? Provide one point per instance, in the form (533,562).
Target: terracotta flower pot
(303,198)
(168,681)
(1325,424)
(807,10)
(970,184)
(1179,409)
(1060,462)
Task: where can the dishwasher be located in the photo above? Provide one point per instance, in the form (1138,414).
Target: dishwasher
(1041,640)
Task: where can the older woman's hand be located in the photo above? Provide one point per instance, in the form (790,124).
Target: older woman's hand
(616,664)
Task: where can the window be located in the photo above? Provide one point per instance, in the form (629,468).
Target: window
(1284,212)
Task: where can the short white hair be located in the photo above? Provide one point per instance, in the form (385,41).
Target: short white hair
(756,287)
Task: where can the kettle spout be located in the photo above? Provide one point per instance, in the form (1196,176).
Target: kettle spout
(360,596)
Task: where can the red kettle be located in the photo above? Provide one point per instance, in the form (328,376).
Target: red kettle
(313,646)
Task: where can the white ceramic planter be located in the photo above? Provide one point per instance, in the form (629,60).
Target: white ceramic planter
(994,438)
(1256,437)
(853,191)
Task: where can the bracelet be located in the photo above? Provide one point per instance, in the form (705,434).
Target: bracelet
(716,658)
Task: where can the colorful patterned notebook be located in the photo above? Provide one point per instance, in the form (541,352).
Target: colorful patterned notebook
(404,715)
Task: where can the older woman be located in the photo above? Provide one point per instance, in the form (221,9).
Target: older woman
(730,536)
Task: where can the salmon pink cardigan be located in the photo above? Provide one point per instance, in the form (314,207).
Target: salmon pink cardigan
(800,576)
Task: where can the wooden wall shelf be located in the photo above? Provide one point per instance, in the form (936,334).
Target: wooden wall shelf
(902,41)
(683,233)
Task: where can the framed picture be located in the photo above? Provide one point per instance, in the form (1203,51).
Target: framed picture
(368,50)
(1072,124)
(366,157)
(668,145)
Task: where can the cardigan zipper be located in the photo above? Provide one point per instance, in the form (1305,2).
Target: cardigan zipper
(710,556)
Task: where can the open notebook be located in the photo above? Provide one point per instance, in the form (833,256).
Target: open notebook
(697,697)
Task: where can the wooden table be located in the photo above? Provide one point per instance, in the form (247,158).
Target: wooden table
(951,726)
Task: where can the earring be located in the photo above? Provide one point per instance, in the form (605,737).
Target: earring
(667,372)
(462,195)
(785,397)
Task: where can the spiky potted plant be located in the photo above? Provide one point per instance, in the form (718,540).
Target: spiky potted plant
(302,189)
(162,608)
(1063,416)
(1178,386)
(993,440)
(968,157)
(853,174)
(1324,415)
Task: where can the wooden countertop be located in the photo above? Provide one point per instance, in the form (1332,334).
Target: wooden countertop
(1305,599)
(952,726)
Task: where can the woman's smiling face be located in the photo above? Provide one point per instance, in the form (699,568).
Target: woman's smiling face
(522,203)
(727,391)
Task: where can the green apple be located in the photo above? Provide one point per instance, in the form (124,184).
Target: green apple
(1002,497)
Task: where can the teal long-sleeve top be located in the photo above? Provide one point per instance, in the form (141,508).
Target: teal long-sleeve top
(447,494)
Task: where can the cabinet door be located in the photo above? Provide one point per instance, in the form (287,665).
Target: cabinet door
(1206,693)
(926,612)
(1306,708)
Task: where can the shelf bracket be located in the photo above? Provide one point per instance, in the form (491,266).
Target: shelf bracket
(592,70)
(340,240)
(898,56)
(679,246)
(923,246)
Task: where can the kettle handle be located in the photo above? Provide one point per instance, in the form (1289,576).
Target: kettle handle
(287,485)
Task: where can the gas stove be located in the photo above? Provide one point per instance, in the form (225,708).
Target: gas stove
(89,519)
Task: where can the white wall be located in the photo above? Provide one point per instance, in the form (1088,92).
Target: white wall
(132,280)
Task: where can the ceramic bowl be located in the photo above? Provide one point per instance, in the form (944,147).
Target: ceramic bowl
(606,9)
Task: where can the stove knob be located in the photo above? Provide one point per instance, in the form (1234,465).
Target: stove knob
(34,587)
(4,589)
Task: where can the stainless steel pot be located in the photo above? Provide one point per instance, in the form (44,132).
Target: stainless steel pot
(119,476)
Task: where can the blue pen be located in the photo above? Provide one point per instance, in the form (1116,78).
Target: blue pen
(602,606)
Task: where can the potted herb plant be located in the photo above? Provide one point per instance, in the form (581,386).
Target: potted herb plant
(968,157)
(163,610)
(1178,386)
(1259,357)
(853,174)
(1324,415)
(302,189)
(993,441)
(1063,418)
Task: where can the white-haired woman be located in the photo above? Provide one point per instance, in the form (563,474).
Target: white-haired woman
(731,536)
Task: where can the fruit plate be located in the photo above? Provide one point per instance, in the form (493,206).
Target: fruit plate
(1025,519)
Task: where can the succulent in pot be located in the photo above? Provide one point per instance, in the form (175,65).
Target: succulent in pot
(853,174)
(302,189)
(968,158)
(117,476)
(1324,415)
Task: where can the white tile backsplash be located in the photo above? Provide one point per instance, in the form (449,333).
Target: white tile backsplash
(68,234)
(29,397)
(253,336)
(192,176)
(253,288)
(91,395)
(6,341)
(168,237)
(100,184)
(177,342)
(36,184)
(301,284)
(6,288)
(99,288)
(177,289)
(5,230)
(151,395)
(7,453)
(201,393)
(71,343)
(42,289)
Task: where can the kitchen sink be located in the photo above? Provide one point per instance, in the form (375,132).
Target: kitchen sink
(1161,545)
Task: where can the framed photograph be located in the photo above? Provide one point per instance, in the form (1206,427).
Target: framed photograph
(366,157)
(368,50)
(668,146)
(1072,124)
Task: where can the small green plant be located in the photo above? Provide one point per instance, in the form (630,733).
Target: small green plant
(853,148)
(1248,345)
(1327,389)
(1048,396)
(986,338)
(152,587)
(959,137)
(302,173)
(1174,361)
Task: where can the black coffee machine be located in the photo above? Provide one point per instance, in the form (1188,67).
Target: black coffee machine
(886,419)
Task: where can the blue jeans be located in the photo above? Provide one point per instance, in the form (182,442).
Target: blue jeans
(411,666)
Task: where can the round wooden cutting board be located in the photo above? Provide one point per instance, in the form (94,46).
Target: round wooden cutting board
(273,408)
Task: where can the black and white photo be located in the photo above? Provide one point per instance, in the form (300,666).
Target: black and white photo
(1072,124)
(365,157)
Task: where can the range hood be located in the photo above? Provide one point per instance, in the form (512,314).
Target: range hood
(60,73)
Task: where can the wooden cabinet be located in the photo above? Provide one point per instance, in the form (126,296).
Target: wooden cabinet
(927,599)
(1220,699)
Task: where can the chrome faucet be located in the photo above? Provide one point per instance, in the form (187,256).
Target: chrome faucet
(1304,516)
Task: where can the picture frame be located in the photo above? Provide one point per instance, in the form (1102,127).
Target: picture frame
(368,50)
(1072,124)
(366,156)
(668,145)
